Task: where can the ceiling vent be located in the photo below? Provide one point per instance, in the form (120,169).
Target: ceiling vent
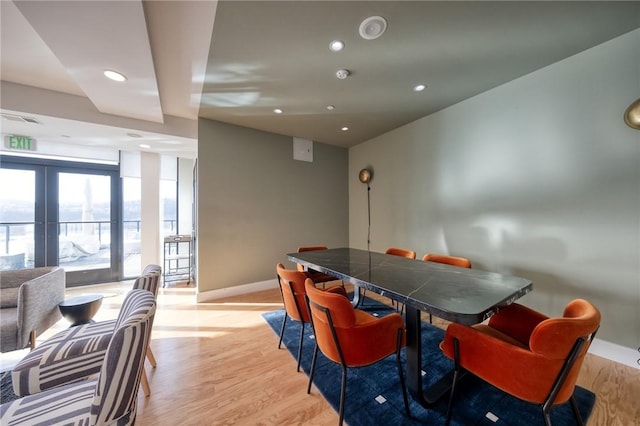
(372,27)
(19,118)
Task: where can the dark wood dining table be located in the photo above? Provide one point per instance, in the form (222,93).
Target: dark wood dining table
(467,296)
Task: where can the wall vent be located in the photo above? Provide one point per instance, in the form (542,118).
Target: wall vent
(19,118)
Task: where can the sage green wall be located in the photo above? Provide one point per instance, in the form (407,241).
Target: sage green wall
(538,178)
(256,203)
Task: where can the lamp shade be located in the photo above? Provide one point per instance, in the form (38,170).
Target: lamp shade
(365,175)
(632,115)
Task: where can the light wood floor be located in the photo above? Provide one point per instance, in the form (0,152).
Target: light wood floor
(218,364)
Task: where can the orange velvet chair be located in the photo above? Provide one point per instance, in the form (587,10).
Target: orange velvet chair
(395,251)
(462,262)
(525,353)
(293,296)
(317,276)
(351,337)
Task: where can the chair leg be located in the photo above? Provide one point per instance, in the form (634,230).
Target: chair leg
(151,357)
(456,372)
(401,375)
(576,412)
(313,368)
(284,322)
(300,345)
(32,340)
(343,391)
(562,376)
(547,417)
(145,383)
(363,294)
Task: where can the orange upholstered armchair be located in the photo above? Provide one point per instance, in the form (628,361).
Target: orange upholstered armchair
(351,337)
(395,251)
(525,353)
(462,262)
(293,296)
(317,276)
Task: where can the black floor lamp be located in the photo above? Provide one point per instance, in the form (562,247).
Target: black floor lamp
(365,176)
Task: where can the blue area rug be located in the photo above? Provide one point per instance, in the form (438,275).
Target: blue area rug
(6,387)
(476,402)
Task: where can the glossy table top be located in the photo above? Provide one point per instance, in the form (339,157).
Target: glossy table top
(467,296)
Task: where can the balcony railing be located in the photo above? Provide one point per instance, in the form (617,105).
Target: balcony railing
(18,237)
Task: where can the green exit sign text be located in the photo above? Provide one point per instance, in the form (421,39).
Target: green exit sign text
(21,143)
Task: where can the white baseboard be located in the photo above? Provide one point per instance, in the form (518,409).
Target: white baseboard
(208,296)
(615,352)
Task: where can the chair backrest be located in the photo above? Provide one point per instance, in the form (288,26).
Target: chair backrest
(117,386)
(395,251)
(554,338)
(462,262)
(308,248)
(311,248)
(149,282)
(330,311)
(152,269)
(293,293)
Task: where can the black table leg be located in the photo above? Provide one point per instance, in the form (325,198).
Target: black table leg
(431,395)
(356,296)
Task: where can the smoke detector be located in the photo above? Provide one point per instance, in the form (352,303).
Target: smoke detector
(373,27)
(342,74)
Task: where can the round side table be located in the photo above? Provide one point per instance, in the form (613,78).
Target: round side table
(80,309)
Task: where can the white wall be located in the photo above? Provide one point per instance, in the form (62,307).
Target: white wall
(538,178)
(151,214)
(185,195)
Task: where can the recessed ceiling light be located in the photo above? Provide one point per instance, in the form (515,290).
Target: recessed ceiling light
(345,128)
(336,45)
(372,27)
(144,145)
(330,107)
(278,111)
(419,88)
(134,135)
(115,76)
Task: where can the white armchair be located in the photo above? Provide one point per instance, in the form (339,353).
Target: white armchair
(29,301)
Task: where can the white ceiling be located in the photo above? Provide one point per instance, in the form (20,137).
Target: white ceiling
(53,49)
(271,54)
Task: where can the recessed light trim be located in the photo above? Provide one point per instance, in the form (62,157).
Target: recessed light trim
(331,107)
(278,111)
(144,146)
(336,45)
(134,135)
(419,87)
(115,76)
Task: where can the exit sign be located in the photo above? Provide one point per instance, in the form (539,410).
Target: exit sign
(20,143)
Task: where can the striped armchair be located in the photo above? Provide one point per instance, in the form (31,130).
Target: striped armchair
(77,352)
(111,398)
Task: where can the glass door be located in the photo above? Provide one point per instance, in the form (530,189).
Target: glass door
(22,221)
(61,213)
(85,226)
